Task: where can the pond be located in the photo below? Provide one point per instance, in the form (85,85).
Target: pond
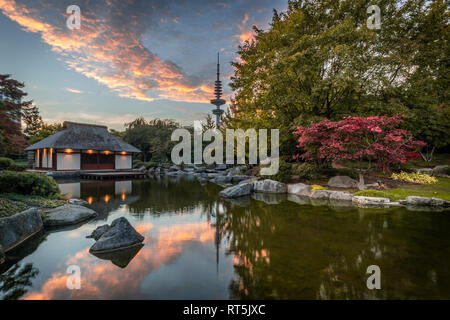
(198,246)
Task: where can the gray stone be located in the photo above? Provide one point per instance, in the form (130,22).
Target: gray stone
(340,196)
(236,191)
(428,171)
(98,232)
(299,189)
(320,194)
(16,229)
(235,171)
(78,202)
(120,235)
(342,182)
(221,166)
(249,180)
(174,168)
(222,179)
(422,201)
(269,186)
(200,169)
(371,202)
(440,171)
(237,179)
(67,215)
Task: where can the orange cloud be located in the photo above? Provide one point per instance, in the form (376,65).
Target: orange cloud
(113,56)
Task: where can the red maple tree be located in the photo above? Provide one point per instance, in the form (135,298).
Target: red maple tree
(376,139)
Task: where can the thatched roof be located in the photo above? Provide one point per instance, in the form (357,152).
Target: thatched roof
(83,136)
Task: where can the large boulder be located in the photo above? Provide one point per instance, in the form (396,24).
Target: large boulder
(343,182)
(66,215)
(16,229)
(340,196)
(269,186)
(120,235)
(243,189)
(441,171)
(371,202)
(320,194)
(423,201)
(98,232)
(299,189)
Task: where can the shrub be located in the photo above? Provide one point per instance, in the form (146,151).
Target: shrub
(151,164)
(307,171)
(8,207)
(6,163)
(28,183)
(347,172)
(284,172)
(414,177)
(33,201)
(376,139)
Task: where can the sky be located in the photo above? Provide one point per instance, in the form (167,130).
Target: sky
(130,58)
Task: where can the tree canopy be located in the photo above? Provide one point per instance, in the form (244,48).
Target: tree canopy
(320,60)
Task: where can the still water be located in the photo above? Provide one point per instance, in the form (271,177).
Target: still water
(198,246)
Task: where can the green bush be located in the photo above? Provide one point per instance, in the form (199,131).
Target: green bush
(284,172)
(347,172)
(28,183)
(33,201)
(8,207)
(151,164)
(307,171)
(6,163)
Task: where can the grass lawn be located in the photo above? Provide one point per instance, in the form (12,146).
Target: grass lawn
(441,190)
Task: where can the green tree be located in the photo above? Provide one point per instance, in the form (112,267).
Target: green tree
(320,60)
(12,140)
(44,131)
(151,137)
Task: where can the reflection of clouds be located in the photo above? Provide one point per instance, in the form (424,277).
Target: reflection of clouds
(101,279)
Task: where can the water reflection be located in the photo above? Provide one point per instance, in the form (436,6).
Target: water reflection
(198,246)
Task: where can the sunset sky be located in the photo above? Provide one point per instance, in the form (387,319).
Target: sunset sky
(151,58)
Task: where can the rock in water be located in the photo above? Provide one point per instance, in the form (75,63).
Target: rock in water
(342,182)
(120,235)
(239,190)
(269,186)
(16,229)
(423,201)
(97,233)
(67,215)
(299,189)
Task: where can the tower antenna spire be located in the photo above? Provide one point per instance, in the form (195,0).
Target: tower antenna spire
(218,101)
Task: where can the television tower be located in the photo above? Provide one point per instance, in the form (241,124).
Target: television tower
(218,93)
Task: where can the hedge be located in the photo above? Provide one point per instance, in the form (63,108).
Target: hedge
(28,183)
